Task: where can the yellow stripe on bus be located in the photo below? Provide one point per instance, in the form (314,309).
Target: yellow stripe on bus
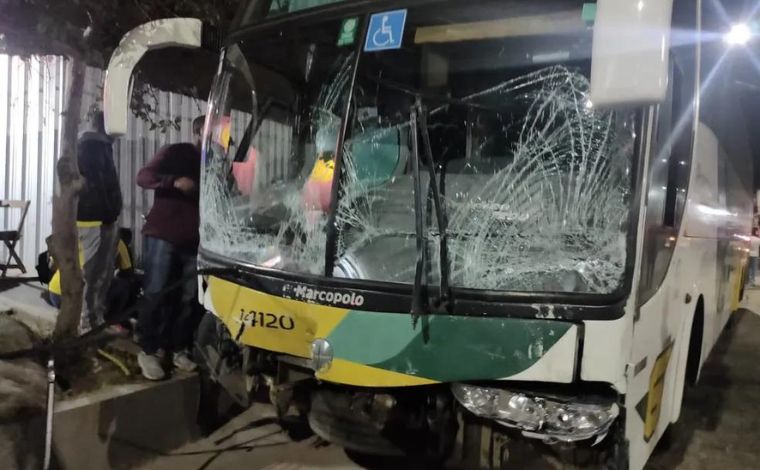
(351,373)
(303,322)
(656,387)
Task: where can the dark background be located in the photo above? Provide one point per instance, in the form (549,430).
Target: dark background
(747,63)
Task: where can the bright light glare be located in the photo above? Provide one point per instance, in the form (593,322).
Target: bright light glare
(271,263)
(738,35)
(708,210)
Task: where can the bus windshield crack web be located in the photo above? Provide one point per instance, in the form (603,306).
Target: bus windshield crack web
(546,213)
(555,218)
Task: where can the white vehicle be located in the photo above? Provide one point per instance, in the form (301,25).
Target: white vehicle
(492,231)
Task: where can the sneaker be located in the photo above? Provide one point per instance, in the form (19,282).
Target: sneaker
(183,362)
(150,365)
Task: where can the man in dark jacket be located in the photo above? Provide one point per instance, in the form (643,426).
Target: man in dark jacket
(171,240)
(99,208)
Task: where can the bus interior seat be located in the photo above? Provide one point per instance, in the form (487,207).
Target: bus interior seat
(379,156)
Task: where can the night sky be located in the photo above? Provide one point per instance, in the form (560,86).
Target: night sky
(748,68)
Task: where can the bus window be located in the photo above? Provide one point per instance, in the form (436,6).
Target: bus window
(669,166)
(680,152)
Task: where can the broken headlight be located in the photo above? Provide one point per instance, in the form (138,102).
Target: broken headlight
(539,417)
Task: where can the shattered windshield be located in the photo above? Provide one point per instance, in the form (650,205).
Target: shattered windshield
(270,148)
(534,181)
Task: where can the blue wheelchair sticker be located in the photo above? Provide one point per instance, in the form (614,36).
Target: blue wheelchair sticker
(386,30)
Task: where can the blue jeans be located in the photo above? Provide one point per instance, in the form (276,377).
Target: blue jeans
(167,318)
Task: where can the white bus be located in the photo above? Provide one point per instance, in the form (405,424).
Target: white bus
(501,232)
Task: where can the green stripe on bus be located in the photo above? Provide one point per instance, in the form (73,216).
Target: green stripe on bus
(444,347)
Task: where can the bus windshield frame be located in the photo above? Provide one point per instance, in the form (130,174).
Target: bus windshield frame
(334,261)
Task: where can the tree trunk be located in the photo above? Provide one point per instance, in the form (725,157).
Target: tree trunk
(65,239)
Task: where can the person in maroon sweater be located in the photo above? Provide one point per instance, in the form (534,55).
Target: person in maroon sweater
(171,246)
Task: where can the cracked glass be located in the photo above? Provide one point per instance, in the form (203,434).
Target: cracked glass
(534,179)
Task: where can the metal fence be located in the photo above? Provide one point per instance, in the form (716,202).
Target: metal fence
(32,98)
(31,101)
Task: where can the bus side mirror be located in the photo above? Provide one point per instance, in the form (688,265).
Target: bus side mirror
(629,53)
(171,32)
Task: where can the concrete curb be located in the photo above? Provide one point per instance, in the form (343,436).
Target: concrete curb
(126,425)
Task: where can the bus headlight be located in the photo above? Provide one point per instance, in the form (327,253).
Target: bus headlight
(539,417)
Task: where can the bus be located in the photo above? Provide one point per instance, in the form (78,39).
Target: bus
(504,233)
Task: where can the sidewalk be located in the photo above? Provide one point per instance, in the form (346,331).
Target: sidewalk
(720,422)
(105,408)
(24,298)
(751,300)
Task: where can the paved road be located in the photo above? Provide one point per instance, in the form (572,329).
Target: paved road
(719,428)
(253,441)
(720,422)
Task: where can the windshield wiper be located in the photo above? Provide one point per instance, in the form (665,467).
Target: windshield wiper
(420,299)
(419,294)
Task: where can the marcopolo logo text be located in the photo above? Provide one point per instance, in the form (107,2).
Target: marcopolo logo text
(302,292)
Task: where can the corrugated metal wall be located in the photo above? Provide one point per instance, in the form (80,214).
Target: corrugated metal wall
(32,97)
(31,101)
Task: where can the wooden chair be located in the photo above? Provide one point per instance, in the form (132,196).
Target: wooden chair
(12,237)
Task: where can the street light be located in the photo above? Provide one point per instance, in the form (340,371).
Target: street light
(738,35)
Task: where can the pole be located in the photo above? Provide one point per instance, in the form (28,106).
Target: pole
(49,417)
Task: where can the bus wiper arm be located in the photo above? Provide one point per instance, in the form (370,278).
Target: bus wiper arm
(440,214)
(419,291)
(420,303)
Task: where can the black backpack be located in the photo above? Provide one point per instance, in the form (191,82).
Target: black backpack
(44,267)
